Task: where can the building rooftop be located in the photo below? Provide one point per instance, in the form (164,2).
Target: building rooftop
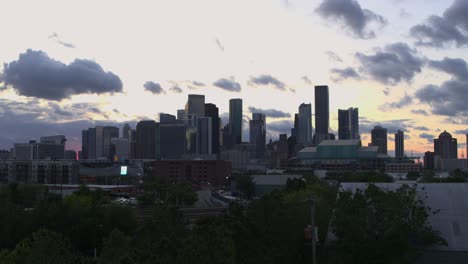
(370,148)
(273,179)
(345,142)
(309,149)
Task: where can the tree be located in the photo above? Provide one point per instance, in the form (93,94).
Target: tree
(43,247)
(377,226)
(245,185)
(116,248)
(413,175)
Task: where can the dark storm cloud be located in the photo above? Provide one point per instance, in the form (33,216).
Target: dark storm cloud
(34,74)
(280,127)
(395,63)
(403,102)
(456,67)
(272,113)
(461,132)
(419,112)
(59,110)
(451,28)
(266,79)
(447,99)
(428,137)
(228,84)
(153,87)
(346,73)
(350,14)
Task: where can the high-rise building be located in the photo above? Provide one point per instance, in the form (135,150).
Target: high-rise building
(445,146)
(204,135)
(429,162)
(125,131)
(195,105)
(84,144)
(146,133)
(379,139)
(132,144)
(348,124)
(399,144)
(181,114)
(172,140)
(304,132)
(212,111)
(258,134)
(296,126)
(99,142)
(108,132)
(91,143)
(166,118)
(235,120)
(322,115)
(38,151)
(70,155)
(119,148)
(227,139)
(58,139)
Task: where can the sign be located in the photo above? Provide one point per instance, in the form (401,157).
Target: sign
(123,170)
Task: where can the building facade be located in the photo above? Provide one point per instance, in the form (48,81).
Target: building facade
(146,144)
(348,124)
(322,115)
(235,120)
(258,134)
(446,146)
(379,139)
(195,105)
(212,111)
(304,132)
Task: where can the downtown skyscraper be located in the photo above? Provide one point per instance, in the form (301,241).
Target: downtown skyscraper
(399,144)
(379,139)
(348,124)
(258,134)
(235,120)
(304,130)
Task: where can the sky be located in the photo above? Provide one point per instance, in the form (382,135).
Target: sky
(69,65)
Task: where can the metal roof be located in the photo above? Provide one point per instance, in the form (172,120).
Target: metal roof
(345,142)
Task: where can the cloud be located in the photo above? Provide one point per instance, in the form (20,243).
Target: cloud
(153,87)
(419,112)
(440,31)
(34,74)
(265,79)
(228,84)
(402,102)
(365,125)
(176,89)
(306,80)
(447,99)
(280,127)
(272,113)
(346,73)
(428,137)
(350,14)
(332,56)
(55,36)
(218,43)
(386,91)
(395,63)
(456,67)
(421,128)
(462,132)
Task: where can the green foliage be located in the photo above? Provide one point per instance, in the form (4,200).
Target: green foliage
(177,194)
(116,248)
(413,175)
(361,176)
(245,185)
(369,223)
(428,176)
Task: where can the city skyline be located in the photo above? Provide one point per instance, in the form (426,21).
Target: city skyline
(210,51)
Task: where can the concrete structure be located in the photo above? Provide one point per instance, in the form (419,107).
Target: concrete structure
(166,118)
(146,134)
(38,151)
(265,184)
(5,154)
(204,136)
(379,139)
(235,120)
(126,131)
(258,134)
(449,165)
(57,139)
(277,153)
(195,105)
(239,155)
(212,111)
(445,146)
(41,171)
(340,155)
(132,144)
(214,172)
(108,133)
(348,124)
(180,114)
(171,140)
(429,160)
(304,132)
(120,149)
(84,144)
(322,115)
(399,144)
(70,155)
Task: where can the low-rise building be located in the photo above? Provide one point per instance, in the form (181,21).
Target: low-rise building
(42,171)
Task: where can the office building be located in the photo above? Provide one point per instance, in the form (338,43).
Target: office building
(99,139)
(120,149)
(348,124)
(146,134)
(132,144)
(322,116)
(58,139)
(43,171)
(429,162)
(258,134)
(166,118)
(172,141)
(235,120)
(70,155)
(212,111)
(226,137)
(126,130)
(304,132)
(204,135)
(296,126)
(445,146)
(195,105)
(5,154)
(38,151)
(84,144)
(191,129)
(399,144)
(181,114)
(379,139)
(108,133)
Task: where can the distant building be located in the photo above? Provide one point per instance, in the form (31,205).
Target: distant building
(212,111)
(445,146)
(379,139)
(322,115)
(120,149)
(108,133)
(348,124)
(43,171)
(146,134)
(172,140)
(227,138)
(38,151)
(258,134)
(399,144)
(277,153)
(214,172)
(235,120)
(84,144)
(70,155)
(296,126)
(126,131)
(304,132)
(204,135)
(195,105)
(96,142)
(239,155)
(58,139)
(132,144)
(166,118)
(4,154)
(265,184)
(429,160)
(180,114)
